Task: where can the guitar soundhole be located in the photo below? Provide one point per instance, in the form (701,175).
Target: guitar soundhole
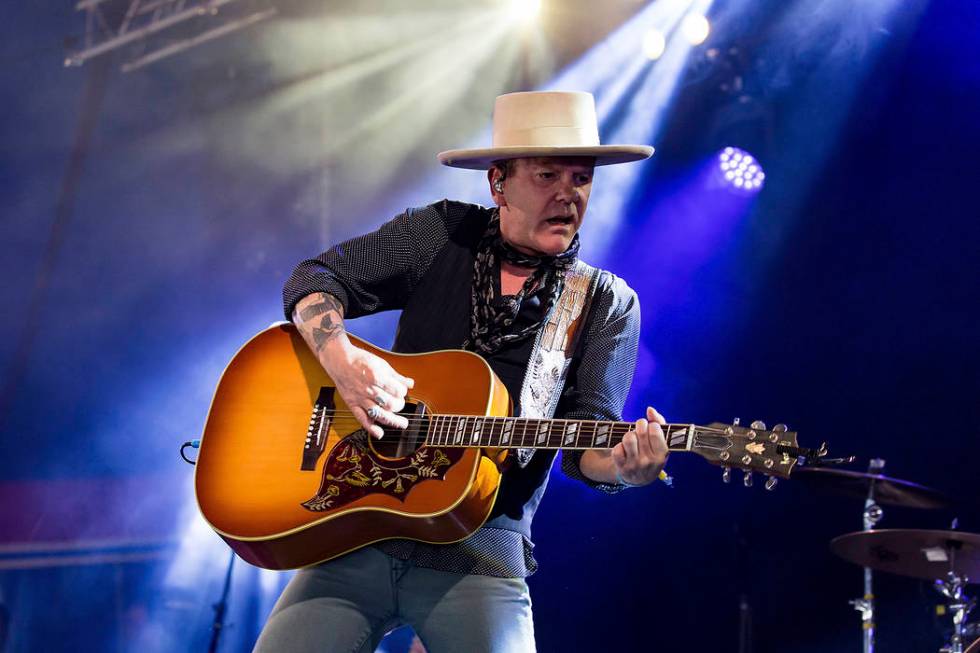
(399,443)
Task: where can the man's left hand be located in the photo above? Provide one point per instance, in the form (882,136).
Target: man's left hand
(641,455)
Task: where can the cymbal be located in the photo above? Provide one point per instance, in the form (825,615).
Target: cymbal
(912,552)
(888,491)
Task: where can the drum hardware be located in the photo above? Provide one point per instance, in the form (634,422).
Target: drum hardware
(877,490)
(950,558)
(959,605)
(866,604)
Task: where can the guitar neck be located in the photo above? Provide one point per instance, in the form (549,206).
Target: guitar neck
(530,433)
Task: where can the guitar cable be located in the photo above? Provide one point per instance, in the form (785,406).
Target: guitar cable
(194,444)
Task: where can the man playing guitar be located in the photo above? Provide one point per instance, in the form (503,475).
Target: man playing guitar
(490,281)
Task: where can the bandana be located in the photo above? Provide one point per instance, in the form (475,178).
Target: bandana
(492,318)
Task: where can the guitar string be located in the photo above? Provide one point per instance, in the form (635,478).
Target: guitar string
(617,428)
(615,424)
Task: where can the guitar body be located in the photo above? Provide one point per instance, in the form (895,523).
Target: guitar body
(288,478)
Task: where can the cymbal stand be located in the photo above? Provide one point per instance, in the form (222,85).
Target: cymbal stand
(866,604)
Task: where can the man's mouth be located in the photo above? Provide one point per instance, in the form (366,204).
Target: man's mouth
(560,220)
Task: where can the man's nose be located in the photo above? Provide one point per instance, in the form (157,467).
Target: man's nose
(567,190)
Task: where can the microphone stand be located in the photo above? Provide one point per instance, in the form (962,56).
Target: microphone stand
(220,607)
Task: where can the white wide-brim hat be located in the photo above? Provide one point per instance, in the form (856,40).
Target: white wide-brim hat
(544,123)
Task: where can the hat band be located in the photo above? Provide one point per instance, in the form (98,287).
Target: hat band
(547,137)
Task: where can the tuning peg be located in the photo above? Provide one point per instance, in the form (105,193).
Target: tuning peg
(726,474)
(771,482)
(758,425)
(747,479)
(736,421)
(780,428)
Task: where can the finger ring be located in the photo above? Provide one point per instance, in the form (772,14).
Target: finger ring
(380,400)
(374,412)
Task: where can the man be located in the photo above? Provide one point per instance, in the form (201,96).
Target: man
(486,280)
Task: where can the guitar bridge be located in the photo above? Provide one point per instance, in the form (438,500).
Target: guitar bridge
(319,427)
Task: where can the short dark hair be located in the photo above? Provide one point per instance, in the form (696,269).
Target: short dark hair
(506,167)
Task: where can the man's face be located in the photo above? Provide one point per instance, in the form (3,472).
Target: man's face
(543,202)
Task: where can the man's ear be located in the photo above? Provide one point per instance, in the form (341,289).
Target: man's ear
(495,178)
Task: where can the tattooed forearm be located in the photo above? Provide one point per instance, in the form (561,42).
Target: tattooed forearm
(328,327)
(319,308)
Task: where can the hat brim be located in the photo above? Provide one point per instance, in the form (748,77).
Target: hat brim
(483,158)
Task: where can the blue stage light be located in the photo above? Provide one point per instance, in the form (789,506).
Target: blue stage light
(741,170)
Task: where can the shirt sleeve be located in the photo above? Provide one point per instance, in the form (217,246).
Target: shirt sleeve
(379,270)
(602,378)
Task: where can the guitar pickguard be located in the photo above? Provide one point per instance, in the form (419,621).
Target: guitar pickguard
(353,470)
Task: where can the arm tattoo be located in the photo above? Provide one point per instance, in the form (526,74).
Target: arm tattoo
(329,328)
(331,324)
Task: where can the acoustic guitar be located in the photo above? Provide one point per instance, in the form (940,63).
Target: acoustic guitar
(288,477)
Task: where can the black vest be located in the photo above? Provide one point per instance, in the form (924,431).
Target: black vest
(437,316)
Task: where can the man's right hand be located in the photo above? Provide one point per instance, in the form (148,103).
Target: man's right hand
(366,382)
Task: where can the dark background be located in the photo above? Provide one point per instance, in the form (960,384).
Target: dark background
(150,218)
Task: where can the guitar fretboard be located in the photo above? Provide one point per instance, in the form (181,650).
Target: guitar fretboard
(530,433)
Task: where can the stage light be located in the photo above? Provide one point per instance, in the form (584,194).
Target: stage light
(741,170)
(695,28)
(525,10)
(654,44)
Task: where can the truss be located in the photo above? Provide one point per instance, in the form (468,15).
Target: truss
(113,24)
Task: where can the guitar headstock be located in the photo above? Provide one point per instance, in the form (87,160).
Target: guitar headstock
(773,452)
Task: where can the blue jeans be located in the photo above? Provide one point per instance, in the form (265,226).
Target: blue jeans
(348,604)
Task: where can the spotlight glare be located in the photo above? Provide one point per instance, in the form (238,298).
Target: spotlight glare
(695,28)
(525,11)
(654,44)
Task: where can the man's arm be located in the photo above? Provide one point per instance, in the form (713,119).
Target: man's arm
(598,391)
(363,275)
(362,379)
(637,460)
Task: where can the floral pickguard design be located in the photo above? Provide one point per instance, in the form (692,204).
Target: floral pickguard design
(352,471)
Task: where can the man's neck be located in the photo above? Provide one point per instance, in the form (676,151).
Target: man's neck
(512,277)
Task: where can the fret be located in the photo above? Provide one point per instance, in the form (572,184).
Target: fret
(490,425)
(430,437)
(477,426)
(460,428)
(505,432)
(544,430)
(682,438)
(602,434)
(571,434)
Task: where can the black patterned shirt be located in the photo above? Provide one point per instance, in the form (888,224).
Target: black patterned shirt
(421,263)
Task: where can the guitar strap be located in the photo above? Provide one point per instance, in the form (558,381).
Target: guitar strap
(555,346)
